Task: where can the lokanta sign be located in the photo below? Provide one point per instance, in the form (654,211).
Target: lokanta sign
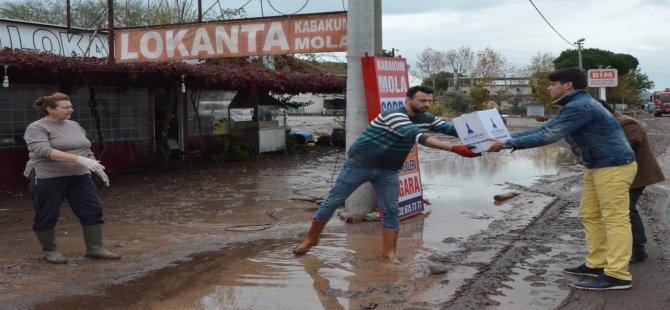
(315,33)
(386,83)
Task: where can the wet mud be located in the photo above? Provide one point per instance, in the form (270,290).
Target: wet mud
(220,237)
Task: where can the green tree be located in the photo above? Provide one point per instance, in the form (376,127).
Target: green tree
(460,61)
(429,63)
(593,57)
(538,69)
(437,108)
(629,88)
(490,64)
(623,93)
(639,81)
(456,102)
(89,14)
(441,80)
(516,107)
(42,11)
(478,95)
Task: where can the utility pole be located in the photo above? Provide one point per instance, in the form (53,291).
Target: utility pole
(200,11)
(361,40)
(378,27)
(68,16)
(602,91)
(110,30)
(579,44)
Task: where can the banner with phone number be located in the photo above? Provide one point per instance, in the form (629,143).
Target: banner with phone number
(386,82)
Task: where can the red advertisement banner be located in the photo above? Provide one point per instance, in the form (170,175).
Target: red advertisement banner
(385,81)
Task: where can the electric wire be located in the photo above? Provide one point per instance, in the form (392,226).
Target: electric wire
(221,9)
(296,12)
(343,7)
(211,6)
(238,10)
(548,23)
(96,21)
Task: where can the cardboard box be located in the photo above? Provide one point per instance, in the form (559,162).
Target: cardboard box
(477,127)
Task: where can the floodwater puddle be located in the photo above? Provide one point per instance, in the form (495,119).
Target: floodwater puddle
(460,190)
(344,271)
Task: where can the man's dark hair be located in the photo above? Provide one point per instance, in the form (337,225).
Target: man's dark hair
(420,88)
(575,75)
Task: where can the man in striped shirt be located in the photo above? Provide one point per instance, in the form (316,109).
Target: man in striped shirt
(377,156)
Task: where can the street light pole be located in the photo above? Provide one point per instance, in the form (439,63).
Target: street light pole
(579,44)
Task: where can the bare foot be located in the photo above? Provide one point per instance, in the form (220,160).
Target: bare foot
(304,247)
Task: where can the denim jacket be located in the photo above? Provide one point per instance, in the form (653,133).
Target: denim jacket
(593,132)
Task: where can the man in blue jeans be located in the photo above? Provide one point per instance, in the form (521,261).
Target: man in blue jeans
(377,156)
(599,142)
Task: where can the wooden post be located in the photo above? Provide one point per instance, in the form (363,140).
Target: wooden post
(110,30)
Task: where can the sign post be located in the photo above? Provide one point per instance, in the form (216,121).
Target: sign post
(386,84)
(603,78)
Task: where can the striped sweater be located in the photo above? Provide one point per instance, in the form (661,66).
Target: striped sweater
(389,138)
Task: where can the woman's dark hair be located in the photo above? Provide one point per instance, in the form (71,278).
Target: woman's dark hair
(574,75)
(45,102)
(420,88)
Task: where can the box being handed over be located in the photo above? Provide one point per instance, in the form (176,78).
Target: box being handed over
(476,128)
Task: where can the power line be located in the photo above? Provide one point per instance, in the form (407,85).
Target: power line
(221,9)
(548,23)
(215,3)
(296,12)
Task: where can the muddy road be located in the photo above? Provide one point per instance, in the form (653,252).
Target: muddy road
(220,237)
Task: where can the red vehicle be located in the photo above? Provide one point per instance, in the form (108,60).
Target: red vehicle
(661,100)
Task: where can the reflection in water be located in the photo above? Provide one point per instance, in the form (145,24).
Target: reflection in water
(344,271)
(461,190)
(276,280)
(340,268)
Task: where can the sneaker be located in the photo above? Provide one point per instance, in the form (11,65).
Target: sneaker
(638,258)
(603,283)
(583,270)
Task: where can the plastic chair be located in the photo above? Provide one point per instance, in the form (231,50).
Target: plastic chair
(175,152)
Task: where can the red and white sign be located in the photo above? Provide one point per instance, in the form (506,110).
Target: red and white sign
(314,33)
(386,82)
(603,77)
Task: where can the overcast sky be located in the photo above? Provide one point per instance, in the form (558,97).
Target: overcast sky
(514,28)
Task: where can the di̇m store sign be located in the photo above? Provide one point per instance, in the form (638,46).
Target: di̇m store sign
(314,33)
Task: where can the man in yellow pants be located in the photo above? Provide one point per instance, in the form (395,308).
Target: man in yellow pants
(599,142)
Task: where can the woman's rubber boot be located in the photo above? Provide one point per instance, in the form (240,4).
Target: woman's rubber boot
(48,241)
(312,238)
(389,242)
(93,239)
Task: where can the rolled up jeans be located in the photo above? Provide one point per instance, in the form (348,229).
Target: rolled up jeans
(353,174)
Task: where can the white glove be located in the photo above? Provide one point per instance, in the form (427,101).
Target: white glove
(91,164)
(104,177)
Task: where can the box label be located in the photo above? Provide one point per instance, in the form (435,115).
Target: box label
(476,128)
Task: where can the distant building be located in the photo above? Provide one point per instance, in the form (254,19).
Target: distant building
(502,91)
(320,104)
